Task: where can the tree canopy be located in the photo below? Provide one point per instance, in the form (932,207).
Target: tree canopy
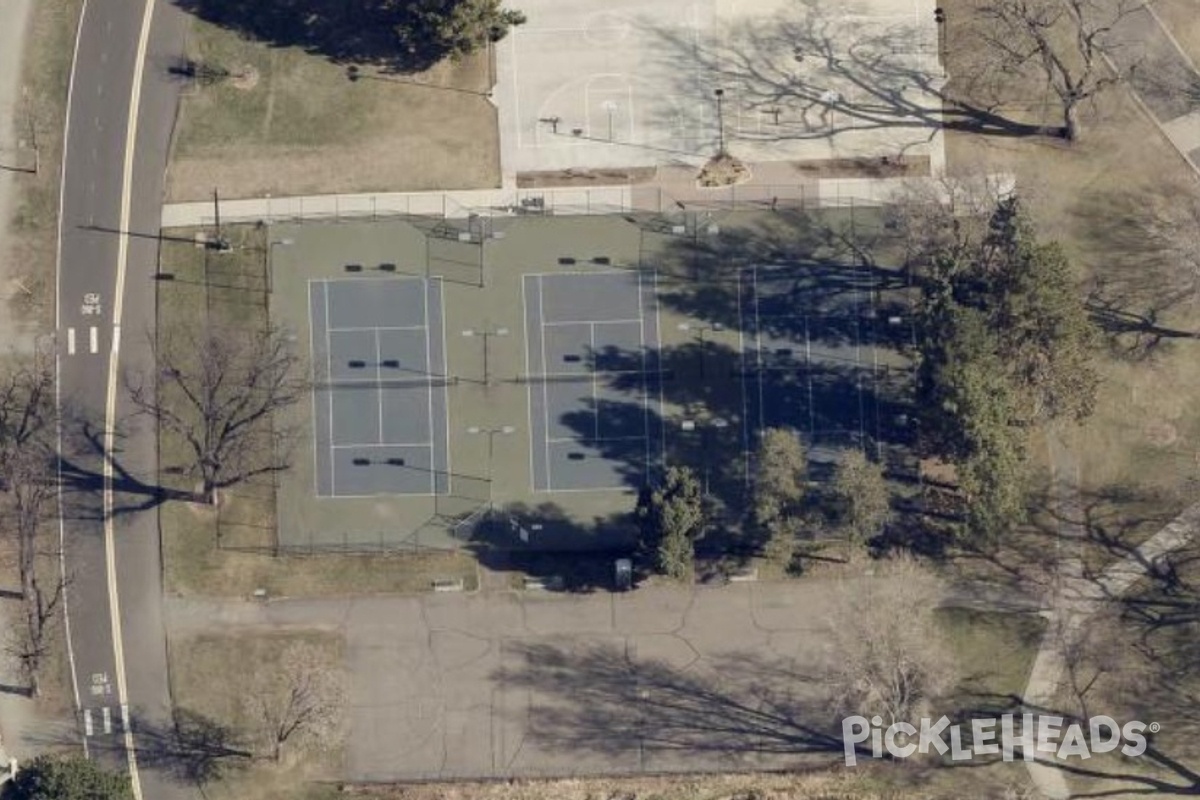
(398,35)
(672,516)
(862,496)
(1006,344)
(74,778)
(779,490)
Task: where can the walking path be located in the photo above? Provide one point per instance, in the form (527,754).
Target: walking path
(1079,596)
(645,198)
(1163,77)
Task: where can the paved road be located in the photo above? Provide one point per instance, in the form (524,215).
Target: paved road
(88,333)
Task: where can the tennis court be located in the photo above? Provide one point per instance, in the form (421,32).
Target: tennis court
(592,356)
(810,356)
(379,393)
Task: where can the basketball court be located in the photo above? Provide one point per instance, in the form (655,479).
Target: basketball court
(646,84)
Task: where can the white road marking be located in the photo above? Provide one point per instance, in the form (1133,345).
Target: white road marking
(70,341)
(107,714)
(62,193)
(88,728)
(94,339)
(110,556)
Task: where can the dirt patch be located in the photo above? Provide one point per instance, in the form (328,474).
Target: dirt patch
(1161,434)
(883,167)
(585,177)
(723,170)
(245,78)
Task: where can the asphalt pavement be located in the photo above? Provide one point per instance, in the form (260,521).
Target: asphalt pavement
(93,181)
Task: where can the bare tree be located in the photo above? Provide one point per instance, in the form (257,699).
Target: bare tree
(221,395)
(1067,42)
(302,703)
(28,480)
(891,657)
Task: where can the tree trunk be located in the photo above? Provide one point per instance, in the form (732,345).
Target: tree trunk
(1071,120)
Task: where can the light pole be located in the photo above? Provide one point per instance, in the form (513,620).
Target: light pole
(503,430)
(700,331)
(486,334)
(720,94)
(610,107)
(271,260)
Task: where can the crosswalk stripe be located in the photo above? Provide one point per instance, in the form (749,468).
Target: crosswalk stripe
(88,728)
(95,339)
(70,341)
(107,719)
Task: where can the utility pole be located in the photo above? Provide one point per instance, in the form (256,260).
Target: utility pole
(720,94)
(486,334)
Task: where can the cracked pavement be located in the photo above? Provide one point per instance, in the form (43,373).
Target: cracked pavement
(505,684)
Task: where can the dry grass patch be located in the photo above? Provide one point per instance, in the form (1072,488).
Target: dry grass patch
(303,127)
(204,687)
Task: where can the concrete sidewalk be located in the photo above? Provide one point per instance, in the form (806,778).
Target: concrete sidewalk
(641,198)
(1163,77)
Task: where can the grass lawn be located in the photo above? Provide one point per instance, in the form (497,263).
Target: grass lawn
(224,552)
(291,122)
(1137,455)
(204,686)
(30,262)
(994,653)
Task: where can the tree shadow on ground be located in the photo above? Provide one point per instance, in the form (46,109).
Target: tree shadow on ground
(1105,525)
(818,69)
(741,708)
(194,750)
(358,32)
(1149,242)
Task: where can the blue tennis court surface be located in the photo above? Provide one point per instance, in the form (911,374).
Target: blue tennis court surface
(379,395)
(592,353)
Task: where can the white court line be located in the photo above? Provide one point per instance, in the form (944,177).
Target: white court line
(758,348)
(380,328)
(312,350)
(545,390)
(94,339)
(742,380)
(662,402)
(862,408)
(592,383)
(565,323)
(429,388)
(445,389)
(588,272)
(378,383)
(645,404)
(808,368)
(623,489)
(70,341)
(390,493)
(369,445)
(529,387)
(329,373)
